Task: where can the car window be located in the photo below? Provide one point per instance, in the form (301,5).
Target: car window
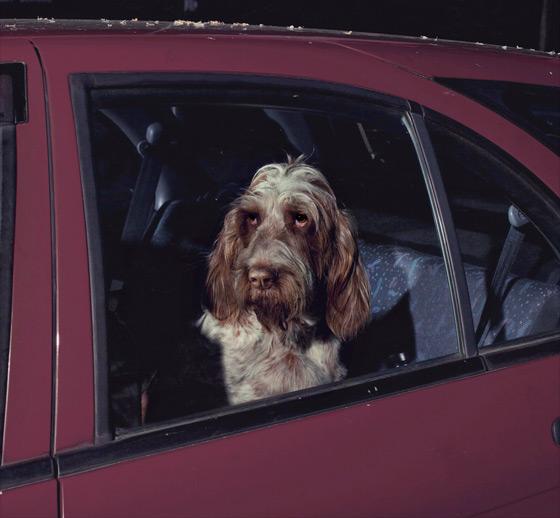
(535,108)
(512,267)
(175,201)
(7,191)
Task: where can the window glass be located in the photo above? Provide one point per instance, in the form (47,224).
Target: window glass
(6,98)
(177,238)
(535,108)
(13,95)
(498,239)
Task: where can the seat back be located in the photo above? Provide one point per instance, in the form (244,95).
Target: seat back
(415,285)
(410,299)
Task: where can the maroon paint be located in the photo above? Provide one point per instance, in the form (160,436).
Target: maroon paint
(546,503)
(34,501)
(74,408)
(401,450)
(28,405)
(314,58)
(430,452)
(467,61)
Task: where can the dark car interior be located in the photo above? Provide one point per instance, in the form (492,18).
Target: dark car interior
(165,174)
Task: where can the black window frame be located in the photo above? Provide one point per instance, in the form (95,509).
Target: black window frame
(8,168)
(218,423)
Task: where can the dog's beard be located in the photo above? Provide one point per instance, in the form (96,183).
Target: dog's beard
(279,305)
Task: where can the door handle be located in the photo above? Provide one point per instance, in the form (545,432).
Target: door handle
(556,431)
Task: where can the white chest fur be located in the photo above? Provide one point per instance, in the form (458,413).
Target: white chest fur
(258,363)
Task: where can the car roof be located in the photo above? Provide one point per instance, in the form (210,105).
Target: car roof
(429,57)
(50,26)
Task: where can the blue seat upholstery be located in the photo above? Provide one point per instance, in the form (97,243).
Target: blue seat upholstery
(529,307)
(401,275)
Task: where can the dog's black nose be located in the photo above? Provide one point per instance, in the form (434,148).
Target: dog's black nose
(261,278)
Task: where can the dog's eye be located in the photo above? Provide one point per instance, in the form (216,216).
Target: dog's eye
(300,219)
(252,218)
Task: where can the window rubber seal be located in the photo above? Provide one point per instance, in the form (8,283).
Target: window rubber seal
(28,472)
(80,103)
(7,221)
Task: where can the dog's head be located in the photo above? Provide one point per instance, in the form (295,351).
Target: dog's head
(284,245)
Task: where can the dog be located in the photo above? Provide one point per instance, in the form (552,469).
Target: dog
(285,284)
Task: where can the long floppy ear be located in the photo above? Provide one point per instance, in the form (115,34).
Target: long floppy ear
(348,291)
(219,281)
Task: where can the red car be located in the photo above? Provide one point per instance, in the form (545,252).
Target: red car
(122,144)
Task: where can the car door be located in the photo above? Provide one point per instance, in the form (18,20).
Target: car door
(411,440)
(27,482)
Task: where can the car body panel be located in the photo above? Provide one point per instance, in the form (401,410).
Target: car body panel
(546,504)
(481,62)
(293,57)
(75,401)
(262,55)
(421,453)
(27,431)
(38,500)
(27,425)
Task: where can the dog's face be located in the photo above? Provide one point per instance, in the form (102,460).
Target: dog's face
(284,244)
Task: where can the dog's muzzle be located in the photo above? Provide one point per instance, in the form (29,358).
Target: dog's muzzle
(275,279)
(262,278)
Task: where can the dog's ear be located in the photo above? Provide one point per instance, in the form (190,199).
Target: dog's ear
(348,291)
(219,281)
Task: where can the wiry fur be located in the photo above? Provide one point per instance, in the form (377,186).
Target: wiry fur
(284,265)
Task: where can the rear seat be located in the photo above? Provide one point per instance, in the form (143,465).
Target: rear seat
(411,310)
(411,304)
(399,274)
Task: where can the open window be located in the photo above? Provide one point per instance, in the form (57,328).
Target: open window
(162,164)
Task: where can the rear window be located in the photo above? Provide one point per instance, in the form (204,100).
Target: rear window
(534,108)
(13,107)
(499,240)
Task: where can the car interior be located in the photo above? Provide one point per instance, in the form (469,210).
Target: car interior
(165,174)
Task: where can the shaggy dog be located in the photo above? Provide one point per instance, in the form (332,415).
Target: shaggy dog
(286,285)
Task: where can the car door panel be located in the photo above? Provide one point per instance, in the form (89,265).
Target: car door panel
(421,453)
(268,56)
(545,504)
(28,406)
(27,484)
(416,453)
(38,500)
